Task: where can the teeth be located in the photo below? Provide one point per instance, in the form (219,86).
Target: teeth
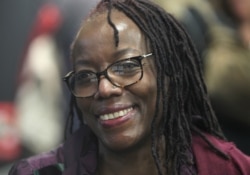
(115,114)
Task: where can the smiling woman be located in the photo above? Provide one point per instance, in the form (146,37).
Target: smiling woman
(138,92)
(133,98)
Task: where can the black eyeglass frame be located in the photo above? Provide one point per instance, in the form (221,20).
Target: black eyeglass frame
(105,74)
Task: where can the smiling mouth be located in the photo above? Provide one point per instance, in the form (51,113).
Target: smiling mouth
(115,115)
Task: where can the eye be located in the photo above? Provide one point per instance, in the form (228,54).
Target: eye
(125,67)
(85,77)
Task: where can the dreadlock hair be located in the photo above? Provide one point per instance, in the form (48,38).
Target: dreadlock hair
(186,108)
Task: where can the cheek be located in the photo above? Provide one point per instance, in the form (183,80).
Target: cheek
(146,90)
(84,106)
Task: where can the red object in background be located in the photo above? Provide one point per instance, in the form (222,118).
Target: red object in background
(10,147)
(48,20)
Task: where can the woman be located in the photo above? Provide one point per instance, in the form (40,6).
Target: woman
(138,91)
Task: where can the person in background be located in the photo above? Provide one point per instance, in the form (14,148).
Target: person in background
(227,68)
(138,92)
(235,56)
(225,59)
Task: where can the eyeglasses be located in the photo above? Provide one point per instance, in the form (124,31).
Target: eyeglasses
(122,73)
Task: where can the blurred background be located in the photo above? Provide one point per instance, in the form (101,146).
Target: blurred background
(35,41)
(220,30)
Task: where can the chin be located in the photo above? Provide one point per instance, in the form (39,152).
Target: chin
(125,143)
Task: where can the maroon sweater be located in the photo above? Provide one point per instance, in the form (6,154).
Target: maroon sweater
(79,159)
(209,163)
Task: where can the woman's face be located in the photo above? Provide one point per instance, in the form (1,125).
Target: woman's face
(241,9)
(135,104)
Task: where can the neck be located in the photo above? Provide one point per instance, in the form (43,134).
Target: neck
(132,161)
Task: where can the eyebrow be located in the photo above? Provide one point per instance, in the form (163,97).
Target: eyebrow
(82,62)
(117,54)
(122,52)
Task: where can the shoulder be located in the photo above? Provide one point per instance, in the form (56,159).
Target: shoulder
(78,147)
(45,163)
(237,164)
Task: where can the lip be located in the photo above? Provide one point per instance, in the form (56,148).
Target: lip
(102,109)
(126,114)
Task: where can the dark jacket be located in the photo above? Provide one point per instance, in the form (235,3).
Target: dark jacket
(78,156)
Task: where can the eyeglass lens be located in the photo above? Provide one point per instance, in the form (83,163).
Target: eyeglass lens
(121,74)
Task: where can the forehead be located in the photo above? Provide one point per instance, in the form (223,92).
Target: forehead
(101,19)
(96,29)
(96,36)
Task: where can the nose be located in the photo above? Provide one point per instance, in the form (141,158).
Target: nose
(106,89)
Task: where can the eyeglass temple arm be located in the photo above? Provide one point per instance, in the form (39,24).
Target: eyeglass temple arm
(147,55)
(67,75)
